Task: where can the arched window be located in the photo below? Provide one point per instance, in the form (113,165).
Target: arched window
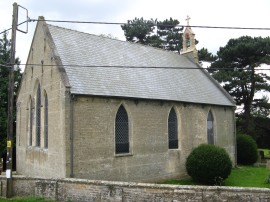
(121,131)
(38,103)
(172,130)
(210,128)
(30,127)
(45,120)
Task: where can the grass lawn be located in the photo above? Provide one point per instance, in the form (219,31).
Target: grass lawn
(242,176)
(249,176)
(266,152)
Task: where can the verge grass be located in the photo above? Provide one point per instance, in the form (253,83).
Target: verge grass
(242,176)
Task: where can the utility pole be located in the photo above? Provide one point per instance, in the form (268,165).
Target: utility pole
(11,102)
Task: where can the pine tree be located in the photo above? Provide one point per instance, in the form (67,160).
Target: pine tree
(237,63)
(161,34)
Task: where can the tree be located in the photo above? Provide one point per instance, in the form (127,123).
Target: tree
(166,34)
(247,150)
(5,46)
(110,36)
(205,56)
(170,34)
(237,65)
(139,30)
(262,128)
(161,34)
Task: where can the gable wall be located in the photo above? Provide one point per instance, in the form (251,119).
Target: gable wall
(150,159)
(32,160)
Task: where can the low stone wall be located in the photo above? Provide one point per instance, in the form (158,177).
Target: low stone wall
(89,190)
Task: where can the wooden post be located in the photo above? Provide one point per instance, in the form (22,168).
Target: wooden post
(11,102)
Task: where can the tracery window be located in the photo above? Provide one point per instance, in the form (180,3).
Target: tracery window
(172,130)
(210,128)
(45,120)
(121,131)
(38,110)
(30,126)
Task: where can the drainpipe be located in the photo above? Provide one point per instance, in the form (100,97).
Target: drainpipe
(235,143)
(72,98)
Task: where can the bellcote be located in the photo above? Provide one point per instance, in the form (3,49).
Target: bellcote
(189,44)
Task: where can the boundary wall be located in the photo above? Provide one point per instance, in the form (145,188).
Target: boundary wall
(70,189)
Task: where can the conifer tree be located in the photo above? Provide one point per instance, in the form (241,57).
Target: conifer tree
(236,69)
(161,34)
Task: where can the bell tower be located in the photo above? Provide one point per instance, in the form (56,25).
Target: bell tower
(189,46)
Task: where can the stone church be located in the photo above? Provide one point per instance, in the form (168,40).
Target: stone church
(98,108)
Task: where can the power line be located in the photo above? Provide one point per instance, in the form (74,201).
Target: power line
(132,67)
(5,30)
(17,25)
(218,27)
(154,24)
(75,21)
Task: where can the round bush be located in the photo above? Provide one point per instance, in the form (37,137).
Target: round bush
(246,150)
(209,164)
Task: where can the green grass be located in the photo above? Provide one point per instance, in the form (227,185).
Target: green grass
(266,152)
(249,176)
(242,176)
(26,199)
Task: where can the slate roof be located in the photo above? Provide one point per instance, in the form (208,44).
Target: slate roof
(174,80)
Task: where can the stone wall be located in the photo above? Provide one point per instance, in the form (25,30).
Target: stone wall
(89,190)
(33,160)
(149,159)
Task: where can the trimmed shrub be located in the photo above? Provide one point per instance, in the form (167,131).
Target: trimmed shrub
(247,153)
(209,164)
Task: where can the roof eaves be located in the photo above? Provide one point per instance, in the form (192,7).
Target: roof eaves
(154,99)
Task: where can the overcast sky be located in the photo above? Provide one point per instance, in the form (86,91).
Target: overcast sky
(236,13)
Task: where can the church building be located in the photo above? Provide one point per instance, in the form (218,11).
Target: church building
(97,108)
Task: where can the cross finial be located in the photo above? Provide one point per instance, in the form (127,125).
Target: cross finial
(188,18)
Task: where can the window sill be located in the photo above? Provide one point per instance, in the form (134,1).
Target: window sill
(35,148)
(174,150)
(124,154)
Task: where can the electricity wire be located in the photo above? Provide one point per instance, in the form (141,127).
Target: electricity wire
(119,23)
(154,24)
(5,30)
(17,25)
(132,67)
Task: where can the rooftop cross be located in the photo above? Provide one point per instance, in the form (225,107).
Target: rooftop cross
(188,18)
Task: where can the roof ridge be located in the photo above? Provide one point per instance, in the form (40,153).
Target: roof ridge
(115,39)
